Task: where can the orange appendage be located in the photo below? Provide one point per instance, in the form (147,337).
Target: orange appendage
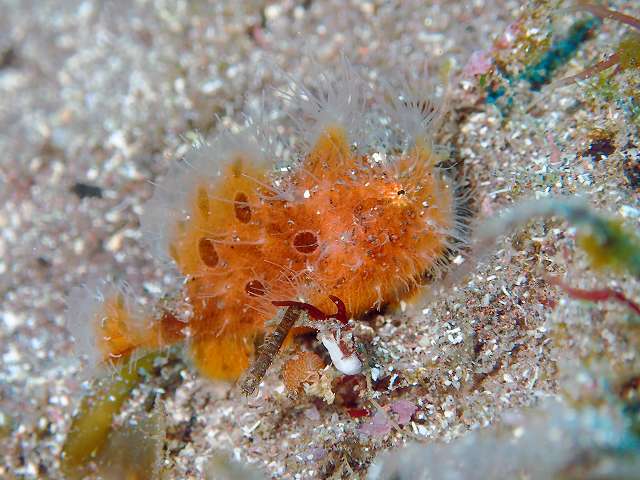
(116,335)
(314,312)
(338,224)
(108,326)
(303,368)
(121,330)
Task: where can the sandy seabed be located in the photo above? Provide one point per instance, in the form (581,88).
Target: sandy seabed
(99,98)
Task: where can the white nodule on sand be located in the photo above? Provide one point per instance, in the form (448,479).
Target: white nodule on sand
(347,364)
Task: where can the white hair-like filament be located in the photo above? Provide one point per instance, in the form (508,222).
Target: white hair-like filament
(339,100)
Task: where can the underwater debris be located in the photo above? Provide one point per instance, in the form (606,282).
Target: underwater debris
(379,427)
(268,351)
(404,409)
(626,56)
(539,63)
(381,424)
(85,190)
(134,450)
(92,423)
(631,168)
(336,339)
(598,295)
(604,12)
(341,350)
(302,369)
(609,245)
(561,51)
(601,145)
(606,242)
(479,63)
(539,59)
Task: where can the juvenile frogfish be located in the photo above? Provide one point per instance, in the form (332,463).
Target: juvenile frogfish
(361,216)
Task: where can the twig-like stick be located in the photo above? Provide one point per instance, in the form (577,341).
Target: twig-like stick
(590,71)
(604,12)
(598,295)
(268,350)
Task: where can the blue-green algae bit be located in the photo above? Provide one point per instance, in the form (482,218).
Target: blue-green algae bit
(560,52)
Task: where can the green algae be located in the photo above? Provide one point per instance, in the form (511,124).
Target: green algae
(93,422)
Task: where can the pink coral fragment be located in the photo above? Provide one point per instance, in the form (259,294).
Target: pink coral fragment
(379,427)
(479,63)
(404,409)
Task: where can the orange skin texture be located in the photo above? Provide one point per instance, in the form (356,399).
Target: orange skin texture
(346,226)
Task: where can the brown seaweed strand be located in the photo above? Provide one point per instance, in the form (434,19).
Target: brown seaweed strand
(268,350)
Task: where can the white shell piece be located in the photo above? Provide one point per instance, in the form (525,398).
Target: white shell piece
(349,365)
